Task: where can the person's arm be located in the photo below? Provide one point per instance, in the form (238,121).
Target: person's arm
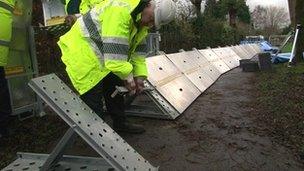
(138,61)
(115,37)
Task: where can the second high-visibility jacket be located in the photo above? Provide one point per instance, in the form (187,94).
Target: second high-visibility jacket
(104,40)
(80,6)
(6,19)
(86,5)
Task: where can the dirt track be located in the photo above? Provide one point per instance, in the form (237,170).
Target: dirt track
(215,133)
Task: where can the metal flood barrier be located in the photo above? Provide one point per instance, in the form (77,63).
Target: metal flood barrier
(178,79)
(171,83)
(116,153)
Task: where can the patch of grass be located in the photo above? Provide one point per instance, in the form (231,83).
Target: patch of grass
(280,105)
(287,48)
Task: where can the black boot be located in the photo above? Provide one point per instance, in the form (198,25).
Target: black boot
(128,128)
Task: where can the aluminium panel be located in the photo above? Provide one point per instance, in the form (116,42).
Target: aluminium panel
(183,61)
(161,70)
(202,61)
(180,92)
(225,57)
(232,53)
(212,72)
(239,51)
(207,67)
(249,55)
(171,83)
(235,59)
(249,50)
(189,64)
(200,79)
(215,60)
(88,125)
(256,47)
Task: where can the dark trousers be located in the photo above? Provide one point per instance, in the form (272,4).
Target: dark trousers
(5,105)
(104,89)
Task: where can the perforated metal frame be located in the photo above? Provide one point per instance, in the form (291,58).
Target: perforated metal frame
(34,162)
(88,125)
(160,107)
(168,111)
(22,55)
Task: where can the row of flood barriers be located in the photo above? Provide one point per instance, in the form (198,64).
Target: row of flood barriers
(179,78)
(176,80)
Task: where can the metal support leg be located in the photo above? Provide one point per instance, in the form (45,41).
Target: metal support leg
(68,138)
(291,34)
(294,45)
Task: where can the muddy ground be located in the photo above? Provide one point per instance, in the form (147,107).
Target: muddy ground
(217,132)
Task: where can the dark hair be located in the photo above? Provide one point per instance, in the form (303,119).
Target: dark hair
(139,8)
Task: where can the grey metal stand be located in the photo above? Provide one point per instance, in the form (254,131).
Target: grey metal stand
(22,63)
(158,107)
(294,45)
(88,125)
(290,35)
(68,139)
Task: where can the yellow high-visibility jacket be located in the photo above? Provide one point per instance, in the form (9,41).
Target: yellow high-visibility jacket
(104,40)
(6,19)
(84,6)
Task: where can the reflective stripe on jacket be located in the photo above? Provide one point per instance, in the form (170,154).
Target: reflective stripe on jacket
(6,19)
(104,40)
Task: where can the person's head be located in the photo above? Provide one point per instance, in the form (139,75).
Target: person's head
(157,13)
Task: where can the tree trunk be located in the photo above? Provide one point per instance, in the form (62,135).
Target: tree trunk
(197,4)
(232,17)
(292,6)
(300,20)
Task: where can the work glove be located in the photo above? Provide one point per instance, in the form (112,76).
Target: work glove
(70,20)
(139,81)
(130,84)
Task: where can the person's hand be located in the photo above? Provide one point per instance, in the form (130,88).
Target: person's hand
(139,81)
(130,85)
(70,20)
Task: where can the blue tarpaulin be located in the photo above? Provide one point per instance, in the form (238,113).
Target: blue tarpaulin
(280,58)
(267,47)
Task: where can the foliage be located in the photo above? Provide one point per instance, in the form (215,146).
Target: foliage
(220,9)
(243,13)
(212,9)
(197,4)
(270,20)
(286,30)
(280,105)
(210,29)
